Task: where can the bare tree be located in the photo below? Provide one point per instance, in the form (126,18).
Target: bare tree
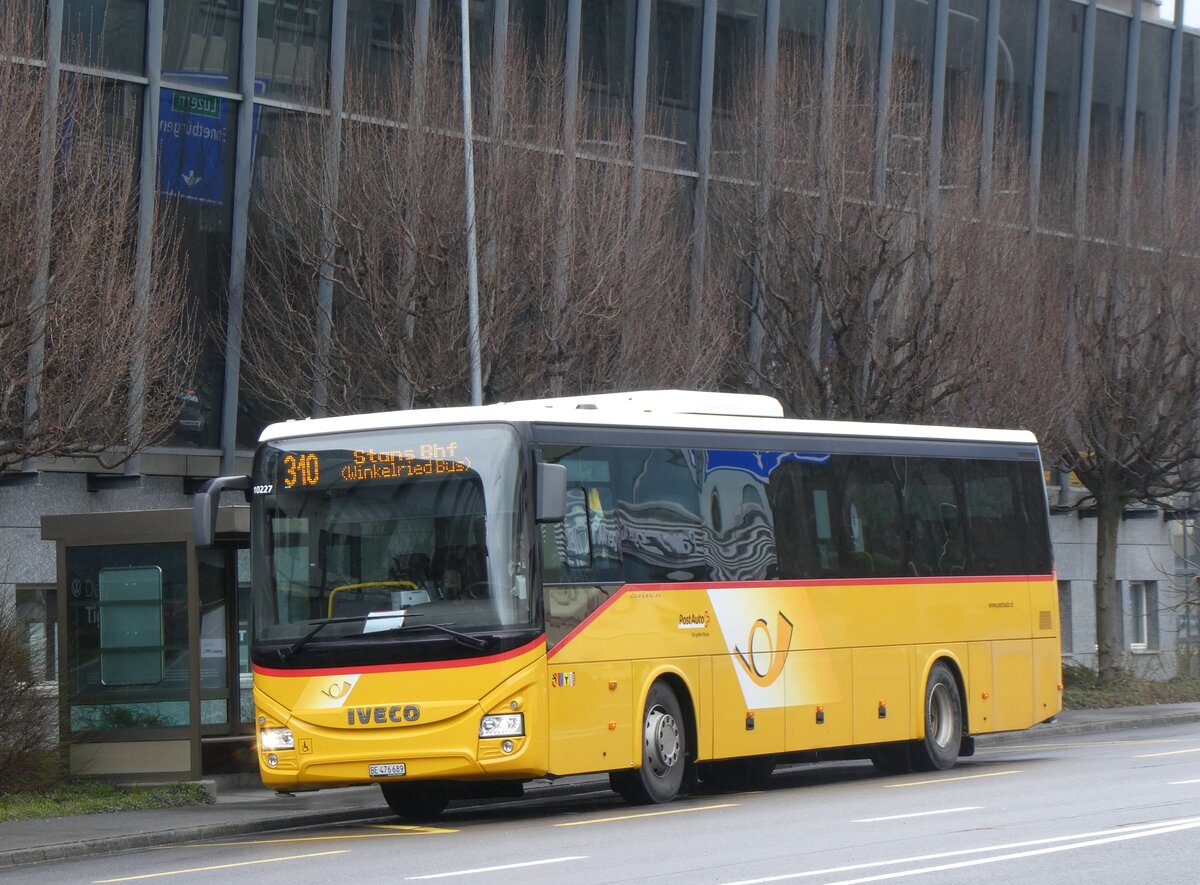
(552,307)
(1131,433)
(71,335)
(868,299)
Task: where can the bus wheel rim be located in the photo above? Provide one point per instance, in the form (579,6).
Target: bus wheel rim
(662,741)
(941,715)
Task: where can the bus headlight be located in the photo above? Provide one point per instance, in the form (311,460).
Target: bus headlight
(276,739)
(502,725)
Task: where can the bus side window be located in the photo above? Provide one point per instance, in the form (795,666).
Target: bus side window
(799,498)
(989,493)
(576,532)
(872,525)
(936,544)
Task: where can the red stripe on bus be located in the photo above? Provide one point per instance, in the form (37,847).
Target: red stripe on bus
(398,668)
(808,582)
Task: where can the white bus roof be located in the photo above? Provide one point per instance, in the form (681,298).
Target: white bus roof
(682,409)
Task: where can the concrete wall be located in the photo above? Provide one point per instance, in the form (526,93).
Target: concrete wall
(1144,553)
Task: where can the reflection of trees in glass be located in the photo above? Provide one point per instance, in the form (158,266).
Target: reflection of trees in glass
(566,280)
(87,367)
(862,291)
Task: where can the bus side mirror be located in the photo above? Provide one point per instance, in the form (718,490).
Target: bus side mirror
(204,507)
(551,492)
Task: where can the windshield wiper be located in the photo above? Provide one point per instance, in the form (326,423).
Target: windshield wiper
(475,642)
(286,654)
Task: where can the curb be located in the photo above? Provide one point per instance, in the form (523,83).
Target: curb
(293,821)
(159,838)
(1095,727)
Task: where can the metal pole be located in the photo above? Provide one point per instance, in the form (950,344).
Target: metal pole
(937,110)
(1084,131)
(883,100)
(703,166)
(1037,117)
(1173,93)
(991,52)
(144,255)
(1129,124)
(641,76)
(42,220)
(328,247)
(472,252)
(239,230)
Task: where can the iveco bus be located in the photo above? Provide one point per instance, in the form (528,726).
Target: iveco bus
(450,602)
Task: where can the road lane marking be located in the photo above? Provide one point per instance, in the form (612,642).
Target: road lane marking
(946,780)
(1018,855)
(1130,832)
(224,866)
(1177,783)
(871,820)
(332,837)
(607,820)
(507,866)
(1170,753)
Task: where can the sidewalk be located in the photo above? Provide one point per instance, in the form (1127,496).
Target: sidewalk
(243,807)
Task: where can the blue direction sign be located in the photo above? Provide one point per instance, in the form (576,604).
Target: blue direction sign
(192,145)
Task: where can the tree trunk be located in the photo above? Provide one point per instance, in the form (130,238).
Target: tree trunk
(1111,652)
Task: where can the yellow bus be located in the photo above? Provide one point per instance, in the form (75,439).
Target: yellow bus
(666,586)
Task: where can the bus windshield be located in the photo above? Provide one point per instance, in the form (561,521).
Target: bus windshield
(385,535)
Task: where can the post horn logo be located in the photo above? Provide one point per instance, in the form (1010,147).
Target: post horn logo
(336,690)
(783,641)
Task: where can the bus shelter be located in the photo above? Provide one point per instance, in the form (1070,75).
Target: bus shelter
(154,675)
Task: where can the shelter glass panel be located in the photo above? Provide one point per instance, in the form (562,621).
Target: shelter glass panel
(125,602)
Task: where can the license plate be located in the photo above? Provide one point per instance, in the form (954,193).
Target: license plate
(392,769)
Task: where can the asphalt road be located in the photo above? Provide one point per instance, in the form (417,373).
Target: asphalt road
(1119,807)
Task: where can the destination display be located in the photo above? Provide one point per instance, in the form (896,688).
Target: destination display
(302,470)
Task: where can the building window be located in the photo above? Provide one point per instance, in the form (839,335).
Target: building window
(1143,615)
(1064,616)
(37,616)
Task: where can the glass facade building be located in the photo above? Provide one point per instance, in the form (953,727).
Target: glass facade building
(215,79)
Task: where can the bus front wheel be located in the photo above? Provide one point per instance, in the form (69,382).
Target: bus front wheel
(664,752)
(416,802)
(939,749)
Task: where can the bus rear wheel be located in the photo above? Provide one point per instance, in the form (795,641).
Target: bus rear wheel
(664,752)
(939,748)
(416,802)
